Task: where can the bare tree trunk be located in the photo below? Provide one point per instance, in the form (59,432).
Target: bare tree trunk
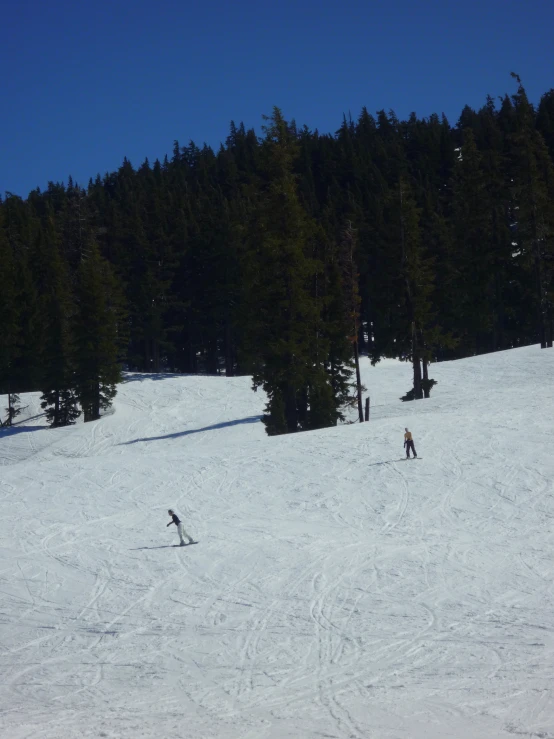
(358,383)
(361,336)
(426,391)
(96,403)
(418,392)
(291,411)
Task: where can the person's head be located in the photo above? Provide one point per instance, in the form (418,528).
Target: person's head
(405,429)
(170,512)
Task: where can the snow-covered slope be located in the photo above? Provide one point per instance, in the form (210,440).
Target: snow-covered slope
(336,590)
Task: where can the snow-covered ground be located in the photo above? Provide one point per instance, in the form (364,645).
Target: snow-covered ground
(336,591)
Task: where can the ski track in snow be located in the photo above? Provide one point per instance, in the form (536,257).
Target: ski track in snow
(336,590)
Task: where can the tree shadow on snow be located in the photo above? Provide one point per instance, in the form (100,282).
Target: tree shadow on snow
(178,434)
(13,430)
(141,376)
(163,546)
(29,418)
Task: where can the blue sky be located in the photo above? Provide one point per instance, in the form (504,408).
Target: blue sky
(84,84)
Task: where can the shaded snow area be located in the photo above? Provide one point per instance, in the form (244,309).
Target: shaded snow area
(336,589)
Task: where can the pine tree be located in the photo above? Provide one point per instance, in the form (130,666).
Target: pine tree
(545,120)
(497,201)
(197,238)
(31,325)
(418,332)
(59,397)
(284,335)
(533,192)
(20,230)
(352,302)
(471,257)
(9,316)
(336,324)
(98,369)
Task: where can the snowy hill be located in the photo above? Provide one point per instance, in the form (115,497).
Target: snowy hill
(335,591)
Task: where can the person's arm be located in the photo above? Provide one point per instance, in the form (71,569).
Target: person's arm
(169,524)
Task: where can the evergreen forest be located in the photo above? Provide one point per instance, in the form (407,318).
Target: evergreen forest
(285,256)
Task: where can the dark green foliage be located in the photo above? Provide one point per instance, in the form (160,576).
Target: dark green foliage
(338,328)
(351,301)
(288,350)
(20,231)
(28,364)
(96,335)
(234,261)
(414,331)
(545,120)
(59,397)
(532,192)
(9,316)
(427,385)
(410,395)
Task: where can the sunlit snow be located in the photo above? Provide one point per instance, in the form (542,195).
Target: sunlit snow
(336,589)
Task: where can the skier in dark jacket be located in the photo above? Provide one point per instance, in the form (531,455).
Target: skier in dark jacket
(180,528)
(409,443)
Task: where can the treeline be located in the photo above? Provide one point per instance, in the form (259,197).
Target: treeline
(284,257)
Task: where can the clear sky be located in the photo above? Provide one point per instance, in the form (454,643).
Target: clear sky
(86,82)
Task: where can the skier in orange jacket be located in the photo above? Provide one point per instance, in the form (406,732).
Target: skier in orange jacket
(409,444)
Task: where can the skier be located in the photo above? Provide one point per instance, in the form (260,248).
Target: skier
(180,528)
(409,444)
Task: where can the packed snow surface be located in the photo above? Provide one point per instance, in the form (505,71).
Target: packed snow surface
(336,590)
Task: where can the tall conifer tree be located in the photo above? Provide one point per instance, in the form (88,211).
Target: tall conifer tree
(289,362)
(59,397)
(98,369)
(9,316)
(533,191)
